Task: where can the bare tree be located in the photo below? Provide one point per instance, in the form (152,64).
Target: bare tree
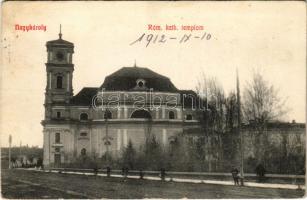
(214,122)
(261,102)
(212,90)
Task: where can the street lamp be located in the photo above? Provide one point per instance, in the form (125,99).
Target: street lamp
(10,142)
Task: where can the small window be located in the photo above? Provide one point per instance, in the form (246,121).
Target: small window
(83,116)
(83,134)
(57,149)
(57,137)
(83,152)
(171,115)
(189,117)
(58,114)
(107,115)
(59,82)
(140,83)
(60,56)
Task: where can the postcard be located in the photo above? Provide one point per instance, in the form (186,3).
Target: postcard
(160,99)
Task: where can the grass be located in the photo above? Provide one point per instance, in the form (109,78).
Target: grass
(19,184)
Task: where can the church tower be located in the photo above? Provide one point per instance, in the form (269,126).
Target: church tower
(59,68)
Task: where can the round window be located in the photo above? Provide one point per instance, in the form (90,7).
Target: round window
(140,84)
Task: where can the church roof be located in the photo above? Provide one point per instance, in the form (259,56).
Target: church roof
(125,79)
(59,42)
(191,99)
(84,97)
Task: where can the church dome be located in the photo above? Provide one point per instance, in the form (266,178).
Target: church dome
(137,78)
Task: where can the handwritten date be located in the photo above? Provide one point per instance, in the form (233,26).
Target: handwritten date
(162,38)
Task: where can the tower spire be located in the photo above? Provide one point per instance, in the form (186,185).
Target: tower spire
(60,34)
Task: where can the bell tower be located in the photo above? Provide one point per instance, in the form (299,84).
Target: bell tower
(59,69)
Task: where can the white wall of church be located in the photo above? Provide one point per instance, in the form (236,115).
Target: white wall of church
(73,140)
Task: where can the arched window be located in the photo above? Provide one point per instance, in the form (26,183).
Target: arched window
(171,115)
(83,116)
(59,82)
(57,137)
(107,115)
(189,117)
(141,114)
(58,114)
(83,152)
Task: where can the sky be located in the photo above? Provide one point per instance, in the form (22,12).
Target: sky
(265,36)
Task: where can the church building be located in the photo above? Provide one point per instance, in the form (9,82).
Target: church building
(132,104)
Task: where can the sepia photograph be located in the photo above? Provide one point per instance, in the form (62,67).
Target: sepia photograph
(159,100)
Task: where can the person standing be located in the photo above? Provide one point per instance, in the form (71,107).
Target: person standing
(260,171)
(108,171)
(235,175)
(163,174)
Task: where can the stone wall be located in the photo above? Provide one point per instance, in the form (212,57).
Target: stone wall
(281,149)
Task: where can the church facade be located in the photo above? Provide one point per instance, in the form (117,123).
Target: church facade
(132,104)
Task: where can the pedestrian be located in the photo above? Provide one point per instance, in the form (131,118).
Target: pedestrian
(126,172)
(260,171)
(123,171)
(95,169)
(108,171)
(141,174)
(235,175)
(163,174)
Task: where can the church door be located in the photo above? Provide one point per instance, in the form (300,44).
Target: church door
(57,160)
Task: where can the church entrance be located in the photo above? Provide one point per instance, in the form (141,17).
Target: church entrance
(57,160)
(141,114)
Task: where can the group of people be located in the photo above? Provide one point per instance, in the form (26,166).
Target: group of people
(125,172)
(238,180)
(27,164)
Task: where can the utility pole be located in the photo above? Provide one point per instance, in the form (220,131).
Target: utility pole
(207,128)
(10,143)
(107,142)
(239,132)
(20,149)
(107,139)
